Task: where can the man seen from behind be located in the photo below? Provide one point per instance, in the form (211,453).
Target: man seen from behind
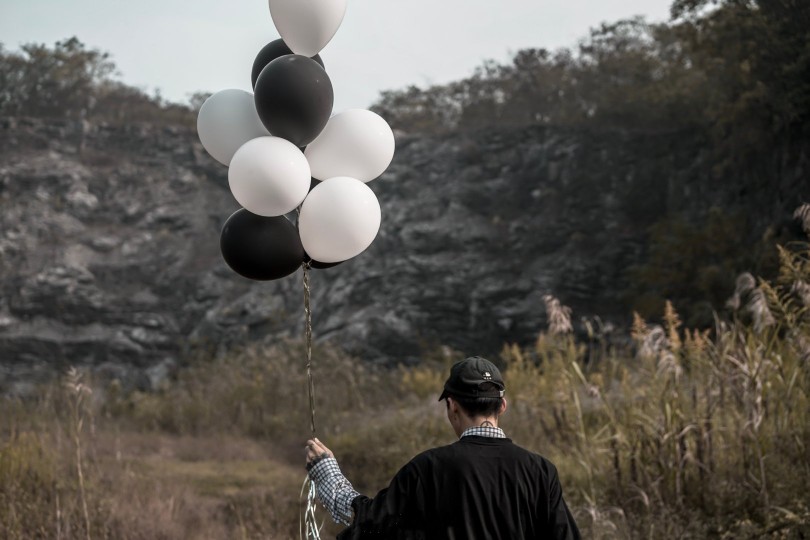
(481,487)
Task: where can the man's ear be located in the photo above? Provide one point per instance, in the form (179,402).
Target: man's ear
(504,406)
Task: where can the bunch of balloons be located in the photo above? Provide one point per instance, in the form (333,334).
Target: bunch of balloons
(286,154)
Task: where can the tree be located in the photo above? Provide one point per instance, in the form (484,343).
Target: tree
(71,81)
(41,81)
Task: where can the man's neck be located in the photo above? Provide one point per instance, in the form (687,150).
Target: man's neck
(479,421)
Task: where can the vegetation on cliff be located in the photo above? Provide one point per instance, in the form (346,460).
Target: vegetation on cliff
(71,81)
(737,69)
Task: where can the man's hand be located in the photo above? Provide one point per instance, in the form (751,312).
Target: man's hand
(316,450)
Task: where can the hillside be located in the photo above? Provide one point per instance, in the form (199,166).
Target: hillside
(652,163)
(110,254)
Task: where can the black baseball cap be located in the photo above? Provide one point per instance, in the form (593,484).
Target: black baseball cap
(469,375)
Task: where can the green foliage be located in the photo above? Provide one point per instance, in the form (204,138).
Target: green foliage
(257,392)
(74,82)
(27,482)
(41,495)
(662,441)
(740,71)
(694,265)
(56,82)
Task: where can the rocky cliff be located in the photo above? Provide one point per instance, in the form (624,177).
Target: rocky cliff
(109,253)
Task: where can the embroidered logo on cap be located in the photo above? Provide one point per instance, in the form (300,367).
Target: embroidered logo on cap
(487,375)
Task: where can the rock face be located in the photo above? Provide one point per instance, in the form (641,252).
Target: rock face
(109,257)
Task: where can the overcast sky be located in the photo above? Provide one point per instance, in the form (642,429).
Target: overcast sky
(181,46)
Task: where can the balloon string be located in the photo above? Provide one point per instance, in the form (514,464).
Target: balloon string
(308,523)
(311,530)
(308,334)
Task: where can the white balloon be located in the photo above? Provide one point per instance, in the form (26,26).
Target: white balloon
(226,121)
(339,219)
(306,26)
(355,143)
(269,176)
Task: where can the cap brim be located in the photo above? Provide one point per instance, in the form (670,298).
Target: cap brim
(444,395)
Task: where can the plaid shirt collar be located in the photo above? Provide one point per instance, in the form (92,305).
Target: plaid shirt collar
(484,431)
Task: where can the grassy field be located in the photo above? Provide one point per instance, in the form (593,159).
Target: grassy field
(684,434)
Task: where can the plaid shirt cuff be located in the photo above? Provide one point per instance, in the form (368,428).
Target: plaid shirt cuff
(333,489)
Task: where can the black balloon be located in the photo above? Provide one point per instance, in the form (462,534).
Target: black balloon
(294,98)
(271,51)
(261,248)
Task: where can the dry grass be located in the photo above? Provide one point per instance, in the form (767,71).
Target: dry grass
(691,434)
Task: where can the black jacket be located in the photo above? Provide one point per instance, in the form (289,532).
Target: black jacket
(478,488)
